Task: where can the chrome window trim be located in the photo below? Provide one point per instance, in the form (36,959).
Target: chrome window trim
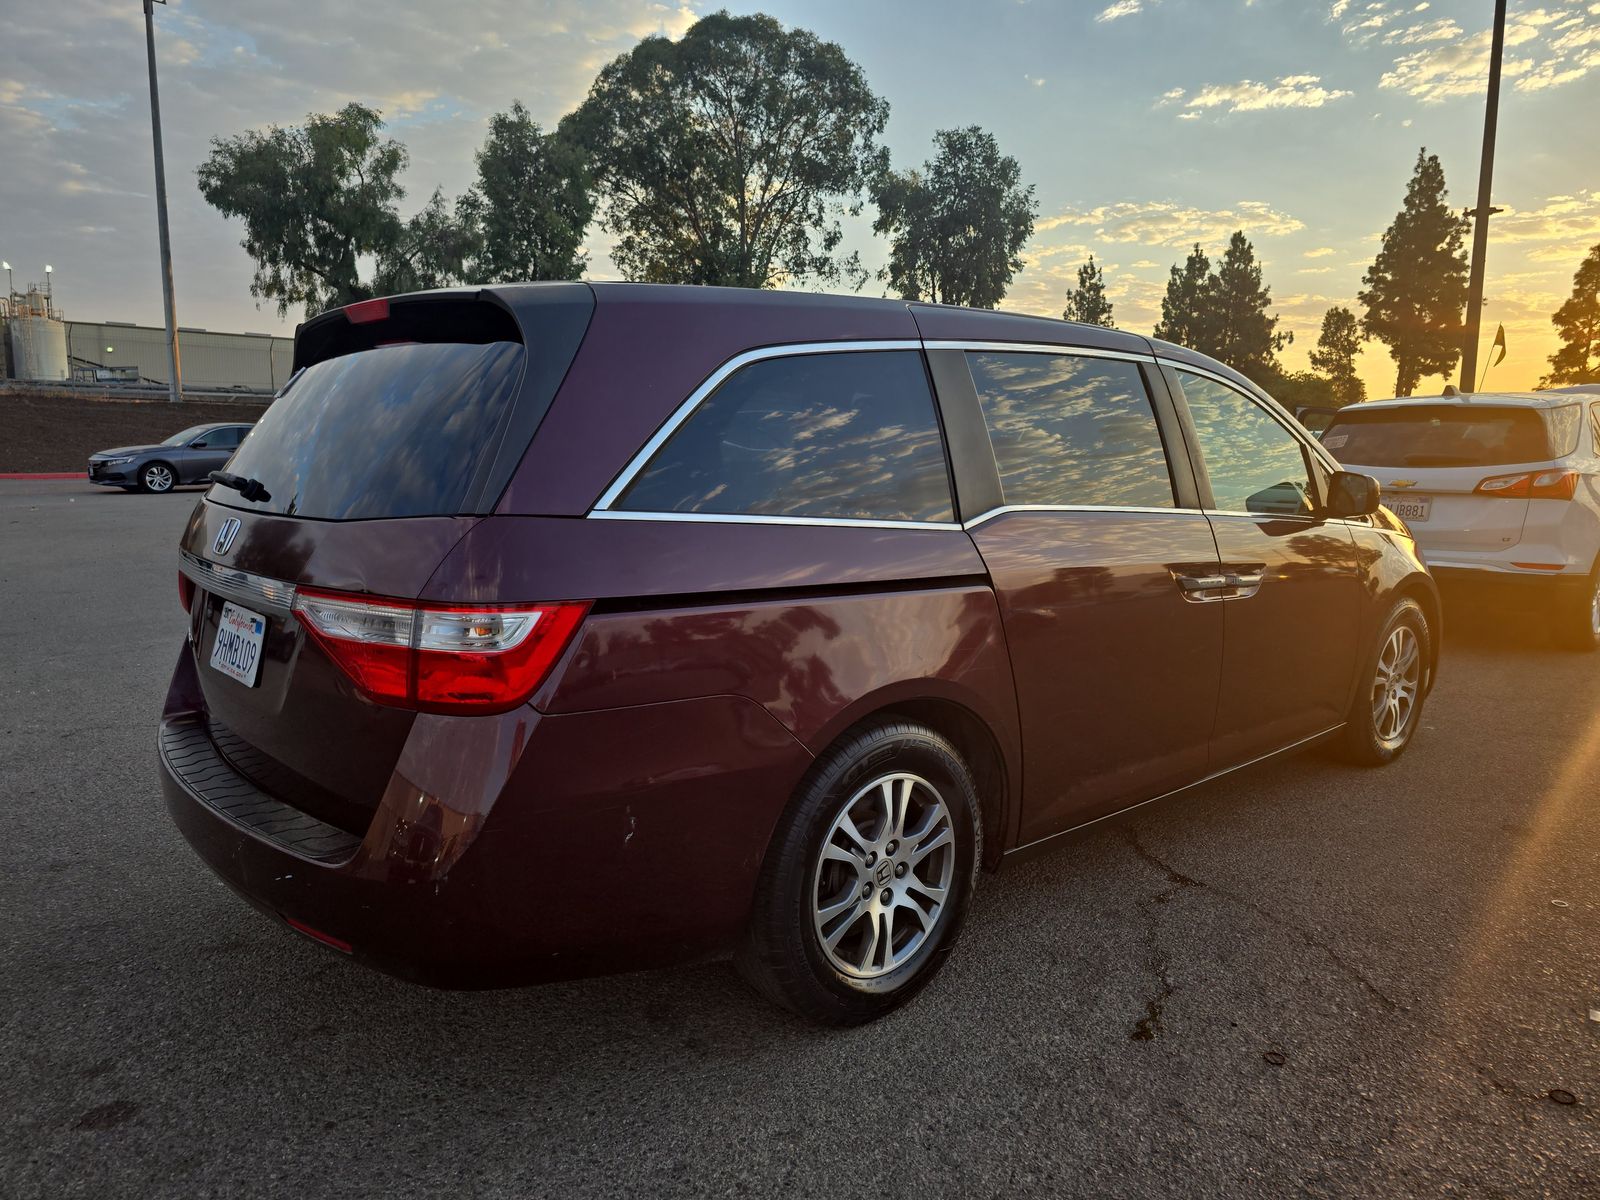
(273,595)
(1039,348)
(1003,509)
(710,384)
(759,519)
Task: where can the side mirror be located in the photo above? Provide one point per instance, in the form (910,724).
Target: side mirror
(198,444)
(1352,495)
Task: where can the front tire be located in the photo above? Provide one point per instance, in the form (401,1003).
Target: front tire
(866,883)
(1388,706)
(157,477)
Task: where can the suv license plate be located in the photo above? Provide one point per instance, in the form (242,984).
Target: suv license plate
(1410,508)
(237,650)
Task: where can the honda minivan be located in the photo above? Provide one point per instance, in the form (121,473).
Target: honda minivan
(548,630)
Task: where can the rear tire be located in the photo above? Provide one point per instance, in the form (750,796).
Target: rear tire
(866,883)
(1387,708)
(157,477)
(1577,618)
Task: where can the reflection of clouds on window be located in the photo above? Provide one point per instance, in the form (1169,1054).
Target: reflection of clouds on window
(849,435)
(391,432)
(1254,463)
(1072,430)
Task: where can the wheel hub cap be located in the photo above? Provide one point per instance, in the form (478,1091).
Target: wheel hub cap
(882,881)
(1394,687)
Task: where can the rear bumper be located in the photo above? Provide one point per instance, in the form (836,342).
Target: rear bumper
(586,861)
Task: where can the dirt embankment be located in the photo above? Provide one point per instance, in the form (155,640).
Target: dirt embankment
(51,433)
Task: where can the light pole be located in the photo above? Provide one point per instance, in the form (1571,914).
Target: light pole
(49,291)
(174,370)
(10,287)
(1481,214)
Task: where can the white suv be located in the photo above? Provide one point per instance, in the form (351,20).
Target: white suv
(1500,490)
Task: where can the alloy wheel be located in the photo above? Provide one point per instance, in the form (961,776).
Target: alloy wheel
(883,878)
(158,478)
(1394,687)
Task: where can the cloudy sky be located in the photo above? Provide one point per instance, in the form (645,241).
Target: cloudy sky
(1146,125)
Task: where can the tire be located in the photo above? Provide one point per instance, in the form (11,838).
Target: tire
(1394,670)
(1577,618)
(854,964)
(157,477)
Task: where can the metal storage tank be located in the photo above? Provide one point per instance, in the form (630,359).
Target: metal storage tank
(38,348)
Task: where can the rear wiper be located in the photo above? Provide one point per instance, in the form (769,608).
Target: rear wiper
(250,489)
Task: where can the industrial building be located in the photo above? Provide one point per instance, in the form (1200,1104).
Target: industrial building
(37,343)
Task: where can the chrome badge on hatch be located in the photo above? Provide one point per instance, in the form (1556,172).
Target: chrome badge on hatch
(225,536)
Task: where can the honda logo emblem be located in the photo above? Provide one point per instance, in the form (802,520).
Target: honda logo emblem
(225,536)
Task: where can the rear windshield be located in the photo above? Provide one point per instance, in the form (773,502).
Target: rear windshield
(399,431)
(1442,435)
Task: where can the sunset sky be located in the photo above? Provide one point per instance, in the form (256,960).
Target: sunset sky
(1145,124)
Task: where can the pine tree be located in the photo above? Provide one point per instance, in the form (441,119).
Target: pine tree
(1245,337)
(1416,288)
(1578,320)
(1186,315)
(1335,355)
(1087,302)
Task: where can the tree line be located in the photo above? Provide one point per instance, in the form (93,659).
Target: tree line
(732,155)
(727,157)
(1413,300)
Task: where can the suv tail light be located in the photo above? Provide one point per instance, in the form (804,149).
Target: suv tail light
(1532,485)
(451,658)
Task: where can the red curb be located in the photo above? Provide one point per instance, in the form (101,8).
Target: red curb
(47,475)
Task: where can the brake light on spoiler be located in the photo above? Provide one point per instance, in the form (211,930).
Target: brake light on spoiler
(1531,485)
(447,658)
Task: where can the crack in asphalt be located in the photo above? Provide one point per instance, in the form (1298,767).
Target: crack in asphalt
(1179,880)
(1148,1027)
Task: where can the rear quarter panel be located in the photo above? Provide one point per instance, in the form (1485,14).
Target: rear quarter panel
(819,626)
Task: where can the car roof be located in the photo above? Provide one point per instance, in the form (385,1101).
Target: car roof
(936,322)
(1471,399)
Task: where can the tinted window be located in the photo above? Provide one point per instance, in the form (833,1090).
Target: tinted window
(394,432)
(819,435)
(184,437)
(1072,430)
(1437,435)
(1254,463)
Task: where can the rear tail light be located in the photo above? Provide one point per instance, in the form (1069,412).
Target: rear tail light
(185,591)
(1531,485)
(452,658)
(365,312)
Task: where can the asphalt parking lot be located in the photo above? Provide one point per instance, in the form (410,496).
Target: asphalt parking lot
(1308,978)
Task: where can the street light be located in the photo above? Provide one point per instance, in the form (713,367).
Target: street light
(9,287)
(49,294)
(174,369)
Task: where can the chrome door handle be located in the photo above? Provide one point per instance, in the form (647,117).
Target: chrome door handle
(1202,583)
(1232,585)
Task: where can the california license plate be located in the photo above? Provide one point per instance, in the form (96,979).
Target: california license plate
(1410,508)
(237,650)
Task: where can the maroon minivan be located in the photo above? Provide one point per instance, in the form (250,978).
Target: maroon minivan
(546,630)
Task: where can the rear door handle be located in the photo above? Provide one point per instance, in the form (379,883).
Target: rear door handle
(1231,585)
(1202,583)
